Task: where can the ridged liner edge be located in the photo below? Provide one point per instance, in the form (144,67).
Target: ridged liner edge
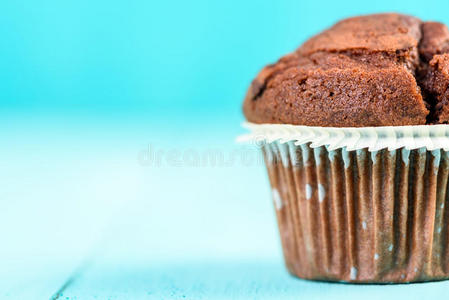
(431,137)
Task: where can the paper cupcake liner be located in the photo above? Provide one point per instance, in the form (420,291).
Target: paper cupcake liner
(357,216)
(362,215)
(374,138)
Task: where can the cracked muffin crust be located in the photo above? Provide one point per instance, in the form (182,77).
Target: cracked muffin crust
(375,70)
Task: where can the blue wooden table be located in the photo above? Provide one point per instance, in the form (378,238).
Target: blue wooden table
(86,215)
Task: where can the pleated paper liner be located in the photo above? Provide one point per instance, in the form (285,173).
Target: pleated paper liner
(370,207)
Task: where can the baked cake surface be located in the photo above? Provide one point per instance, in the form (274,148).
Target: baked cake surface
(375,70)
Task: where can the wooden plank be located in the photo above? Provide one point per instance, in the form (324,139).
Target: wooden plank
(227,280)
(58,193)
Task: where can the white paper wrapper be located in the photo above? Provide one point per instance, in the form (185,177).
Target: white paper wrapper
(360,204)
(430,137)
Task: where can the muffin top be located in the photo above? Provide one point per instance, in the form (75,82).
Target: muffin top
(375,70)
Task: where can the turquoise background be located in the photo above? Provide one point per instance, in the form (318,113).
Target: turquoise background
(92,91)
(198,55)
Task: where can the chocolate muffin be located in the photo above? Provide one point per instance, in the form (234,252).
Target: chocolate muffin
(359,196)
(376,70)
